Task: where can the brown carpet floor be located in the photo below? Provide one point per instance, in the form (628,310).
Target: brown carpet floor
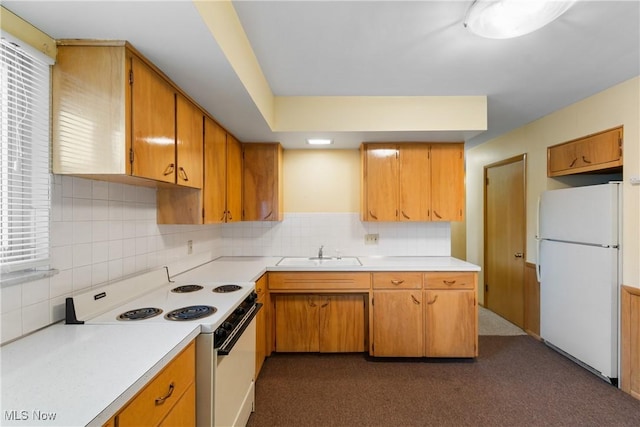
(515,381)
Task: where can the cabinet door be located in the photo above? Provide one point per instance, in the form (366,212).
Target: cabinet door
(341,323)
(296,319)
(415,186)
(261,182)
(261,324)
(398,323)
(234,180)
(381,182)
(153,122)
(184,413)
(189,143)
(215,172)
(601,150)
(450,323)
(447,182)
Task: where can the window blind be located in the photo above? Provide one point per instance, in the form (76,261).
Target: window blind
(24,160)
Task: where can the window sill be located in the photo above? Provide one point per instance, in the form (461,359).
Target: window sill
(10,279)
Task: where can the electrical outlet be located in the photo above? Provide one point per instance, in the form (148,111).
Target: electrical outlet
(189,247)
(371,239)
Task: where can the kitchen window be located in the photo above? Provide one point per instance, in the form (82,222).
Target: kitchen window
(24,160)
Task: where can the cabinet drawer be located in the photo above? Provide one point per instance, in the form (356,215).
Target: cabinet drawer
(449,280)
(397,280)
(319,282)
(155,401)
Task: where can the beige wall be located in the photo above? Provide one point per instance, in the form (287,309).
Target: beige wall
(321,180)
(618,105)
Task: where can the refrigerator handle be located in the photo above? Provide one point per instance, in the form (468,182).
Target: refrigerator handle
(538,241)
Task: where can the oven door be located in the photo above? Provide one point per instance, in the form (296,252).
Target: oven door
(234,395)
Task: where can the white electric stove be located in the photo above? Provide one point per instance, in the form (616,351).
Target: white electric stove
(225,348)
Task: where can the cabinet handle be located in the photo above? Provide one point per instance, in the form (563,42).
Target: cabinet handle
(268,215)
(449,282)
(574,162)
(415,301)
(326,303)
(160,400)
(372,215)
(224,213)
(397,282)
(436,214)
(405,215)
(229,214)
(183,174)
(311,303)
(584,159)
(518,255)
(435,298)
(169,169)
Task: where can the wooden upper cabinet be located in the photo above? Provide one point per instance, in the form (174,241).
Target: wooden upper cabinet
(234,179)
(380,189)
(599,152)
(189,143)
(215,172)
(153,121)
(413,182)
(414,177)
(447,182)
(262,182)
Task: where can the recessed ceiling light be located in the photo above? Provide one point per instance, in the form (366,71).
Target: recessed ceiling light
(503,19)
(319,141)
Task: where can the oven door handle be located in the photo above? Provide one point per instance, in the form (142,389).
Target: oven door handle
(227,346)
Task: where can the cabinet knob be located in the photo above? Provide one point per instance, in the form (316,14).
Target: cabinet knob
(518,255)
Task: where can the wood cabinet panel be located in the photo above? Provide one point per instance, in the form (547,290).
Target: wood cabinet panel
(162,394)
(414,179)
(396,280)
(319,281)
(153,123)
(183,413)
(262,336)
(450,280)
(601,151)
(296,323)
(630,341)
(234,179)
(447,182)
(398,325)
(450,323)
(381,178)
(342,323)
(262,182)
(189,143)
(215,172)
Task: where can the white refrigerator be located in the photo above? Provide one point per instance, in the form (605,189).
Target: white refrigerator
(579,273)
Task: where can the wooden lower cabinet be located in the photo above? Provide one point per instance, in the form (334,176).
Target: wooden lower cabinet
(319,323)
(261,323)
(398,327)
(450,323)
(167,400)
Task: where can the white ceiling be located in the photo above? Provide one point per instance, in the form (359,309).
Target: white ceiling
(359,48)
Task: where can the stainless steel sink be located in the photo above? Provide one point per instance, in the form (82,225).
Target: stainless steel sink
(319,262)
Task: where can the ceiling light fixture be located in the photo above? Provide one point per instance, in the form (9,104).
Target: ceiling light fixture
(503,19)
(319,141)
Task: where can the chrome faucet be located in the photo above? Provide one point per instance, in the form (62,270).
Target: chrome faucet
(320,252)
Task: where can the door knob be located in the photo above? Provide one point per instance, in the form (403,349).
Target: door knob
(518,255)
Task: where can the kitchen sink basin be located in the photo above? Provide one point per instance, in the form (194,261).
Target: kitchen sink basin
(319,262)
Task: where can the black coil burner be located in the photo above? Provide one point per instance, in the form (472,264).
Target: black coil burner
(140,313)
(227,288)
(191,312)
(186,289)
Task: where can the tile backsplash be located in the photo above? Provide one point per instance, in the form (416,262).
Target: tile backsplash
(102,232)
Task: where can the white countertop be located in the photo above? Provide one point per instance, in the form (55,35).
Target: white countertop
(81,375)
(391,263)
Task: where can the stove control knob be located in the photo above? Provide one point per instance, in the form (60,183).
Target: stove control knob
(227,326)
(252,297)
(220,335)
(239,311)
